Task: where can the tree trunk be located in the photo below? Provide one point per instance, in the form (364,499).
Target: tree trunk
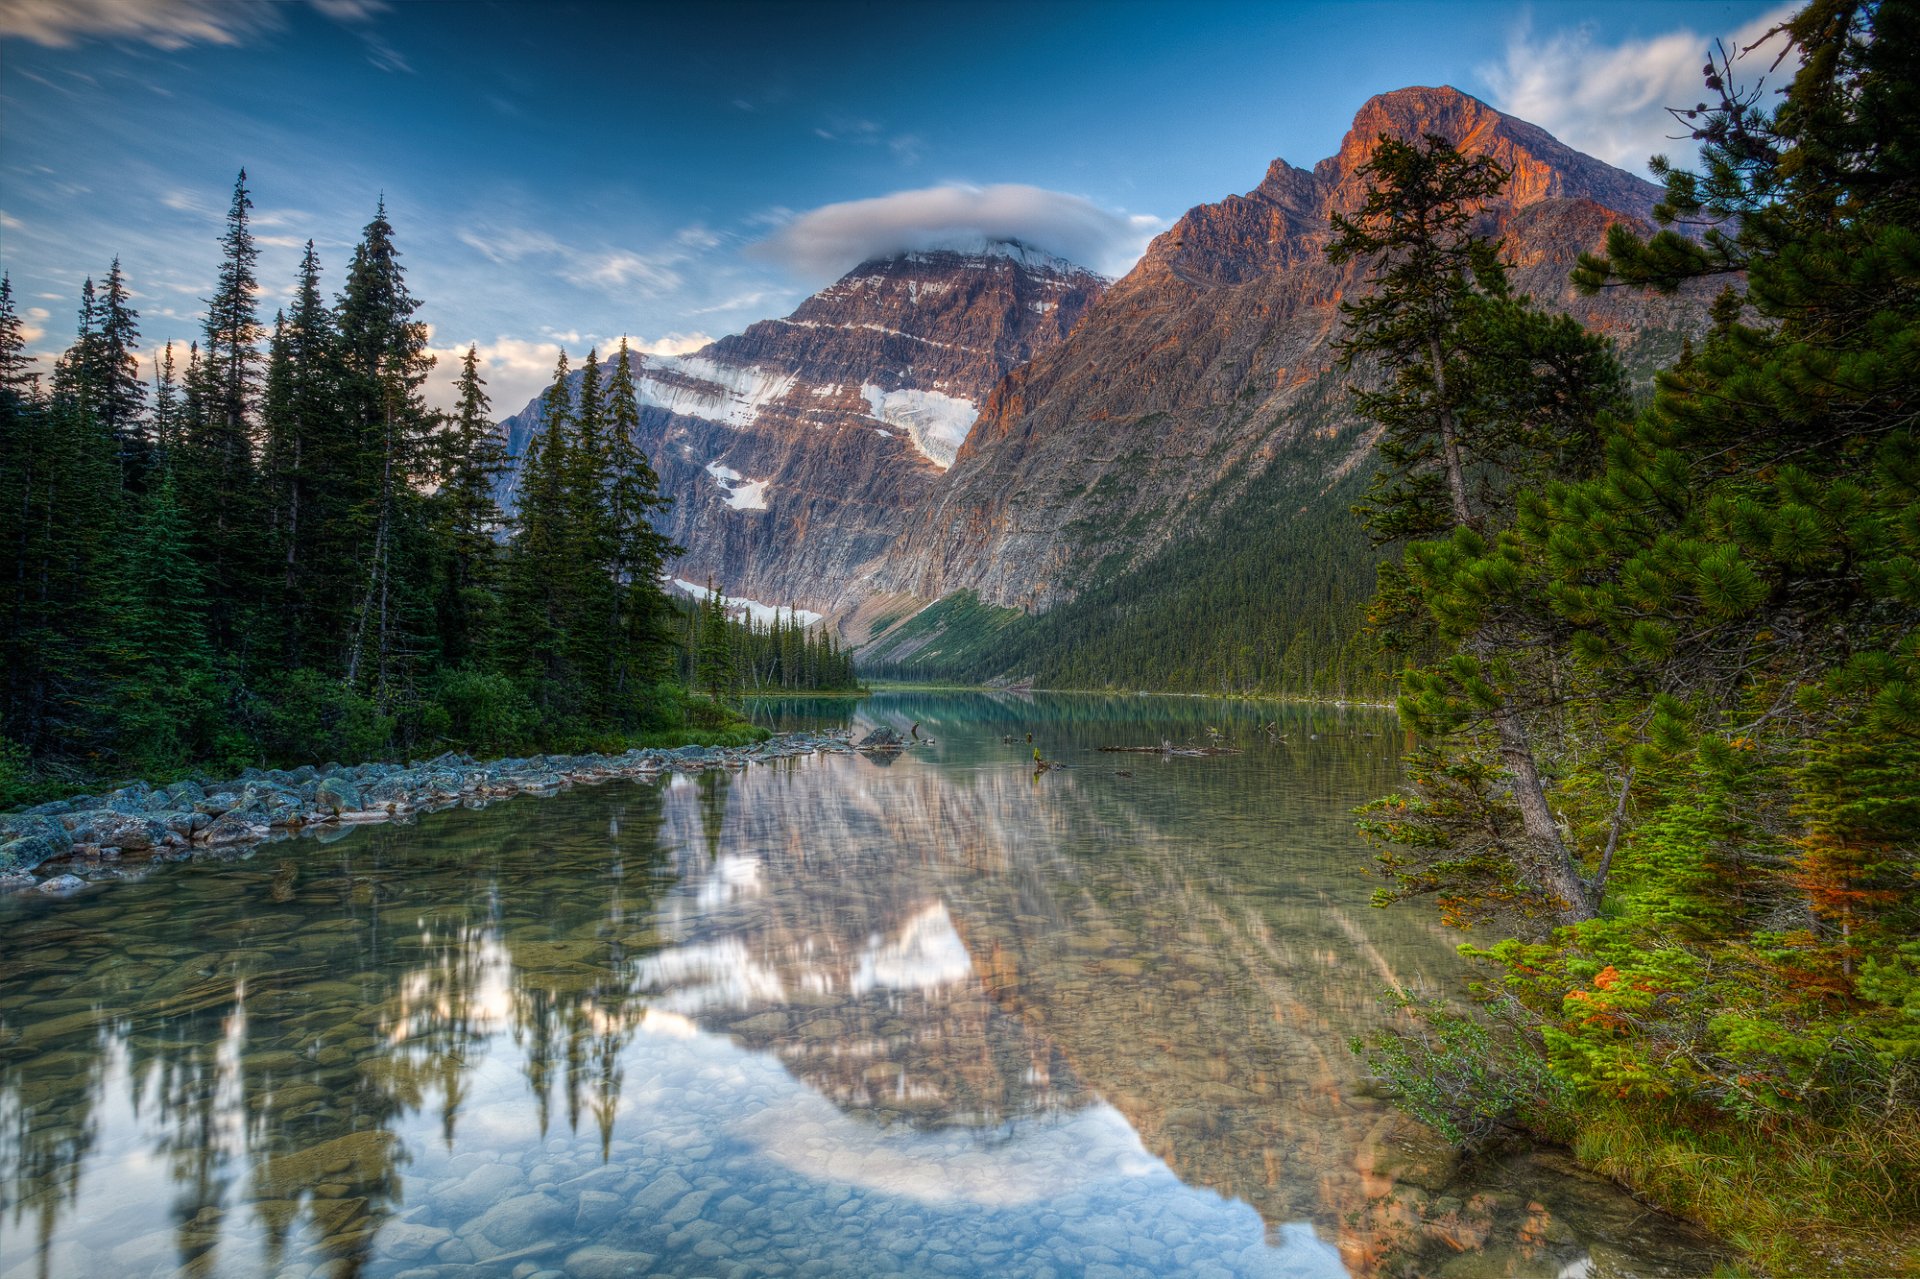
(1449,438)
(1548,857)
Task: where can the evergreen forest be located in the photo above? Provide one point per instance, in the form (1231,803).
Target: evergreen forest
(269,549)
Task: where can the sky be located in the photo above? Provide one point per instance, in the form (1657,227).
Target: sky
(563,174)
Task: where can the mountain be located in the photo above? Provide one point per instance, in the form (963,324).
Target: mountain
(795,451)
(1205,375)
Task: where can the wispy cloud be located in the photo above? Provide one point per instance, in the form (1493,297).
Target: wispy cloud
(829,240)
(618,271)
(1611,100)
(163,24)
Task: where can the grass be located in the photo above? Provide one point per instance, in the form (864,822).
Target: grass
(1800,1201)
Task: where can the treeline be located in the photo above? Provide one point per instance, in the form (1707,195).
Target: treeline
(271,549)
(1667,678)
(722,655)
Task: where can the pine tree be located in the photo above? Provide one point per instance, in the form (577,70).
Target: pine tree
(385,361)
(122,391)
(588,589)
(639,553)
(474,456)
(1474,379)
(167,700)
(716,669)
(307,465)
(16,370)
(532,634)
(219,488)
(166,405)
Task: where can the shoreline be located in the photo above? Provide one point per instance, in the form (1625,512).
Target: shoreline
(144,824)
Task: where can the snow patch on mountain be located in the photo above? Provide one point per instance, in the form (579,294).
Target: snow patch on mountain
(742,493)
(698,387)
(936,422)
(741,606)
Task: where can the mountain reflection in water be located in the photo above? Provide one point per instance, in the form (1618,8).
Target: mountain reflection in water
(821,1017)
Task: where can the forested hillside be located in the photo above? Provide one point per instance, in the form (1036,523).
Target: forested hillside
(1270,598)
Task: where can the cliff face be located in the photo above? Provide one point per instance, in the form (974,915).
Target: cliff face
(1212,358)
(795,451)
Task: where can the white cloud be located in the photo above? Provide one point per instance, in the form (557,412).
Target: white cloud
(830,240)
(1611,100)
(517,370)
(164,24)
(514,369)
(669,344)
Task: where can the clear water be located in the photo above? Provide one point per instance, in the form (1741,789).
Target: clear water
(930,1015)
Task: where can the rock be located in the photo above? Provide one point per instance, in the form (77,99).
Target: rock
(598,1209)
(63,884)
(601,1262)
(233,827)
(512,1224)
(337,795)
(409,1241)
(17,856)
(667,1188)
(484,1185)
(109,828)
(881,738)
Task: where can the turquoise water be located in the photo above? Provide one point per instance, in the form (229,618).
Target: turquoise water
(924,1015)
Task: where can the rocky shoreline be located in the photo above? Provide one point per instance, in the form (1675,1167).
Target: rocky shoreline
(65,845)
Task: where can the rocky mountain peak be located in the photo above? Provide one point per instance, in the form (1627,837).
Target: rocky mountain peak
(1543,166)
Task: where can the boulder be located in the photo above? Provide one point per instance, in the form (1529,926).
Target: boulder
(337,795)
(27,851)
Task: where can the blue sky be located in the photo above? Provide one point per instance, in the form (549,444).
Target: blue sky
(565,173)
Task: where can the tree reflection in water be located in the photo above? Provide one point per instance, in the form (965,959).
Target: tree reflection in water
(948,985)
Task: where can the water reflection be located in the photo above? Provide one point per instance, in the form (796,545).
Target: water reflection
(821,1017)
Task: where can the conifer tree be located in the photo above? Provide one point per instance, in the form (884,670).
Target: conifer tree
(588,587)
(639,552)
(167,702)
(122,391)
(532,637)
(474,457)
(715,671)
(1475,379)
(384,363)
(166,404)
(218,485)
(309,442)
(16,370)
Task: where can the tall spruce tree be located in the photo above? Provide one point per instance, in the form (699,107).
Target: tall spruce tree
(532,641)
(639,553)
(123,392)
(218,484)
(309,442)
(473,458)
(384,363)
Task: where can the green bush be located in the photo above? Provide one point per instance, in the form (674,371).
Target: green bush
(478,711)
(306,718)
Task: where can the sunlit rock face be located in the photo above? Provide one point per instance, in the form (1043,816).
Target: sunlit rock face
(1211,361)
(795,451)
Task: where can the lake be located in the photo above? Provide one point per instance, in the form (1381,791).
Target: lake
(933,1014)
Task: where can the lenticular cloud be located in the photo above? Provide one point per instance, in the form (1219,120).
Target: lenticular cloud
(836,237)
